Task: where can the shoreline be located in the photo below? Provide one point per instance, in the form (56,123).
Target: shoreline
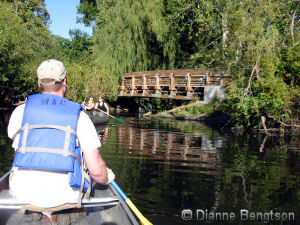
(217,120)
(222,121)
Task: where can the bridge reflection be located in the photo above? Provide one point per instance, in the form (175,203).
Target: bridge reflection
(169,147)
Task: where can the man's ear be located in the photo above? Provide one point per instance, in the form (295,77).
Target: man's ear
(64,82)
(39,84)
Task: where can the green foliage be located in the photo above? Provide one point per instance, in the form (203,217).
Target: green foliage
(22,48)
(88,10)
(15,54)
(85,80)
(269,97)
(257,41)
(253,51)
(197,28)
(201,109)
(79,45)
(159,104)
(76,49)
(295,102)
(290,62)
(32,12)
(132,36)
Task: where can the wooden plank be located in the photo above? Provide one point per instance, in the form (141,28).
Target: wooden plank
(161,96)
(182,72)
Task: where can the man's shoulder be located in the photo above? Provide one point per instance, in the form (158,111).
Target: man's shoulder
(15,120)
(19,109)
(84,118)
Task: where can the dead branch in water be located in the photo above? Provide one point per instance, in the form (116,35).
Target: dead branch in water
(284,124)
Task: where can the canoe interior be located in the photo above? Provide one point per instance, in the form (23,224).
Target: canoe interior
(114,211)
(99,117)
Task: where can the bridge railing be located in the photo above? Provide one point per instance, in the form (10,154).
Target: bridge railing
(171,83)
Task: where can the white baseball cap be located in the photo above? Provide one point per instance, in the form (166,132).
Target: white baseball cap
(51,69)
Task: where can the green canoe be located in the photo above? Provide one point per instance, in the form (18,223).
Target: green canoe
(99,117)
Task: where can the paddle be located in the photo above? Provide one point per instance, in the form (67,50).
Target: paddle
(118,119)
(143,220)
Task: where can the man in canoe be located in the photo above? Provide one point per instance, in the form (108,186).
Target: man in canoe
(48,171)
(102,106)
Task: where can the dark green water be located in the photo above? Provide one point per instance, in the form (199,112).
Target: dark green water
(167,166)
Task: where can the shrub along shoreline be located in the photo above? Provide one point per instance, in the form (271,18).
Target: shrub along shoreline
(208,114)
(212,115)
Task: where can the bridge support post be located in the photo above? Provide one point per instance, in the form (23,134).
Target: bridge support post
(172,88)
(122,87)
(188,87)
(157,86)
(144,86)
(207,79)
(132,87)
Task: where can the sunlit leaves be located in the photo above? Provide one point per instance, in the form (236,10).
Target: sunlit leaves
(132,36)
(22,48)
(15,53)
(88,10)
(32,12)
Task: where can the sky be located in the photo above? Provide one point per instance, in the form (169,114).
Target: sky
(63,15)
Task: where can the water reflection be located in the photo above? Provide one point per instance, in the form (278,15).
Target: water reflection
(102,131)
(166,166)
(172,147)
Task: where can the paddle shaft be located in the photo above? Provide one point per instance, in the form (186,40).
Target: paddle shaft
(109,114)
(143,220)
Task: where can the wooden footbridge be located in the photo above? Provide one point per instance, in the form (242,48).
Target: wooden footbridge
(186,84)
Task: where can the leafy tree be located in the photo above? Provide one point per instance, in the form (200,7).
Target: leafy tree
(15,54)
(85,80)
(197,28)
(131,36)
(257,41)
(88,10)
(32,12)
(22,49)
(76,49)
(79,46)
(253,53)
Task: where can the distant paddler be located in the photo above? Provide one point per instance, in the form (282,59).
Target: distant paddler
(89,107)
(102,106)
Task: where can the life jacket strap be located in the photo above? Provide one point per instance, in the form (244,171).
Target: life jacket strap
(28,127)
(88,178)
(67,140)
(67,129)
(84,176)
(49,150)
(87,194)
(24,140)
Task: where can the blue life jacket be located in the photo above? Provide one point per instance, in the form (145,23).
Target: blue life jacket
(48,139)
